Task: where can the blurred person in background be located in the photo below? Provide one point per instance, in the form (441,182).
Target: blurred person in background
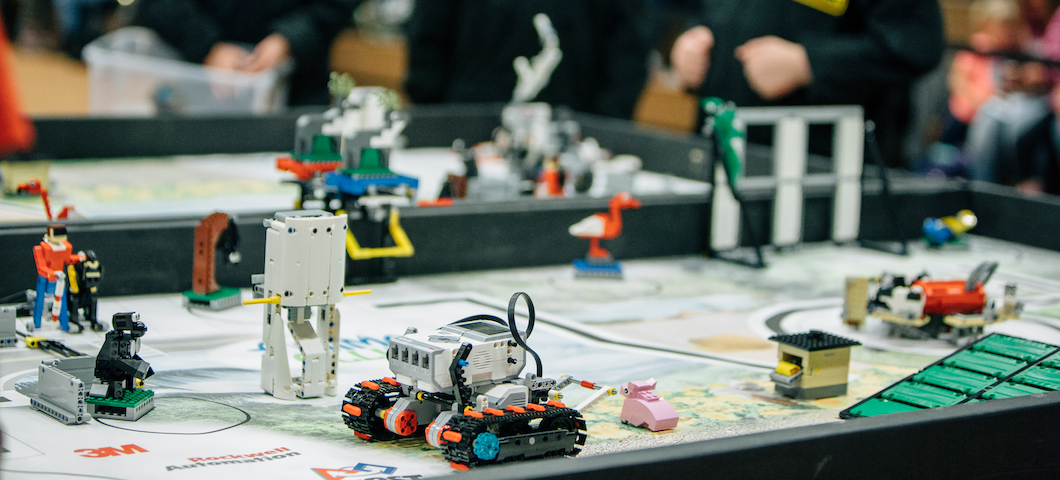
(461,51)
(255,35)
(16,130)
(813,52)
(1021,99)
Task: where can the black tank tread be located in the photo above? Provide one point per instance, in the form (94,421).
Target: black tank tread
(368,400)
(463,452)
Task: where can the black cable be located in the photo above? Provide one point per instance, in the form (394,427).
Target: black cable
(246,418)
(887,201)
(14,296)
(529,327)
(473,318)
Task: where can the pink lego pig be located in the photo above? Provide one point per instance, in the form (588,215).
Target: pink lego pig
(642,408)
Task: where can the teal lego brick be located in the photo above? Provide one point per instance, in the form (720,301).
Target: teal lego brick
(1042,377)
(1014,347)
(880,406)
(921,395)
(1009,390)
(984,363)
(954,379)
(1052,361)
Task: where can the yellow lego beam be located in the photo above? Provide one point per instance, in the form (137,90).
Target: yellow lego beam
(402,245)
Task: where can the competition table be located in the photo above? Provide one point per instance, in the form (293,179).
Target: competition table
(675,306)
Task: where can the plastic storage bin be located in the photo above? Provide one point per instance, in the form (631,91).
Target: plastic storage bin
(131,71)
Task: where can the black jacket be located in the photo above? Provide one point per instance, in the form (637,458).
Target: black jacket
(194,26)
(462,51)
(874,46)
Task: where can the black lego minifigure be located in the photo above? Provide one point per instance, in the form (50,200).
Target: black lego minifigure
(83,292)
(117,361)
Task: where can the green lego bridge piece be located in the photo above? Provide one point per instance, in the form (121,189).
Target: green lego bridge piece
(371,165)
(131,399)
(984,363)
(1014,347)
(994,367)
(320,151)
(224,292)
(955,379)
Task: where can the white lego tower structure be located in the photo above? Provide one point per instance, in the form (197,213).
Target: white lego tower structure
(305,264)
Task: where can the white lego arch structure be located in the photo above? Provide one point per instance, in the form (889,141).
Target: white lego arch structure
(790,143)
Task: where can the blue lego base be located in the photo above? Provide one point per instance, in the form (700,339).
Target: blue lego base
(583,268)
(358,185)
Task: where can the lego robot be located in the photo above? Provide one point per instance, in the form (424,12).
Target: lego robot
(929,309)
(304,265)
(461,386)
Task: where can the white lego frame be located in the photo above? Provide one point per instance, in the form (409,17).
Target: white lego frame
(790,143)
(305,266)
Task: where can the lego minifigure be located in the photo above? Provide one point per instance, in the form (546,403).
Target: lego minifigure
(84,278)
(812,365)
(51,257)
(948,230)
(606,226)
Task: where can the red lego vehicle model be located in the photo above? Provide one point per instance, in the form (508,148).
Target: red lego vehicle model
(929,309)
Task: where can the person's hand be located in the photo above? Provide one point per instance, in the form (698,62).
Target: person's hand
(225,55)
(774,67)
(690,56)
(267,54)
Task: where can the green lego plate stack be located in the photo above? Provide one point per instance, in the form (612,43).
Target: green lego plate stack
(133,405)
(996,366)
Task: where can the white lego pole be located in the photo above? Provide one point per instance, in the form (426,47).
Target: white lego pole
(60,287)
(789,168)
(725,213)
(848,153)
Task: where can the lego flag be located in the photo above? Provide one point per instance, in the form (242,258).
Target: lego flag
(16,131)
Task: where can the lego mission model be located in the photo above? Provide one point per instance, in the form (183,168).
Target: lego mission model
(602,226)
(216,232)
(108,385)
(929,309)
(303,281)
(812,365)
(341,162)
(461,386)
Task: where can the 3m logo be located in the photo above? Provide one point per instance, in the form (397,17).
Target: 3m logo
(110,451)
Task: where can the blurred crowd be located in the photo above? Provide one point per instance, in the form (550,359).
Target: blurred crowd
(999,124)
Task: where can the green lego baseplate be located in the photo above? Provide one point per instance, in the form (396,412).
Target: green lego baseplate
(131,399)
(996,366)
